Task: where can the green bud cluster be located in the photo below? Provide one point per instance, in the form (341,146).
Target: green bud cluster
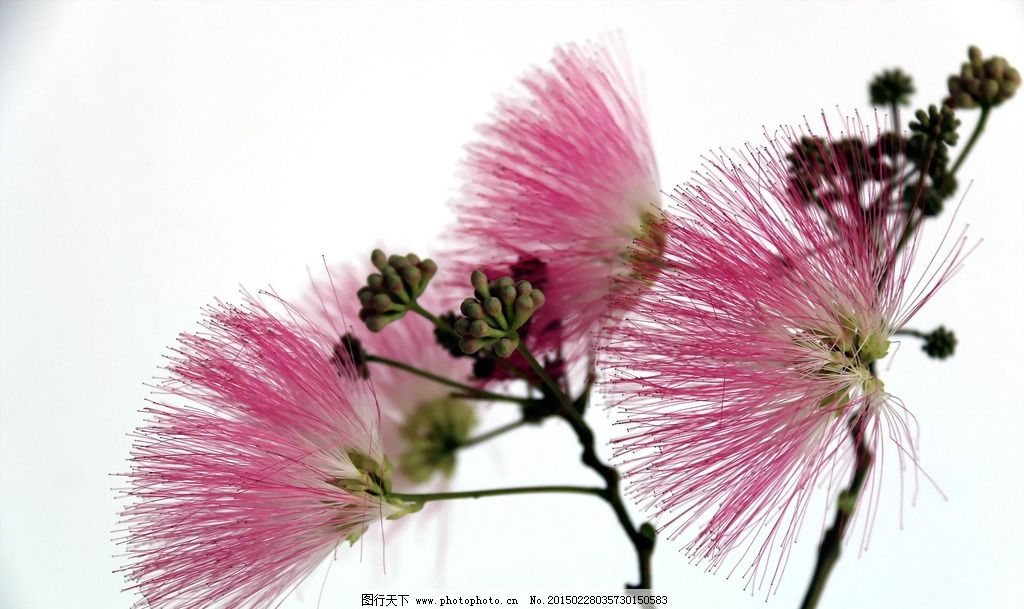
(940,343)
(433,432)
(932,133)
(891,87)
(491,319)
(391,292)
(937,124)
(984,83)
(822,171)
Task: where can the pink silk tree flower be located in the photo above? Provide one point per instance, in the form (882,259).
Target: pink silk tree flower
(421,423)
(560,183)
(263,459)
(742,370)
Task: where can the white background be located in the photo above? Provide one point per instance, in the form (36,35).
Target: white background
(155,155)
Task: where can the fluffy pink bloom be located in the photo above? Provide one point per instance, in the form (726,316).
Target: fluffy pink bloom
(743,365)
(411,406)
(560,183)
(264,457)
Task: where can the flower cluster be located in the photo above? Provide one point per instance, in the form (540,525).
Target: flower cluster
(737,335)
(265,457)
(748,358)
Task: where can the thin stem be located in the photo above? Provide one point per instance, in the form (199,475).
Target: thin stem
(494,492)
(910,332)
(543,375)
(434,319)
(494,433)
(978,128)
(643,543)
(831,544)
(467,389)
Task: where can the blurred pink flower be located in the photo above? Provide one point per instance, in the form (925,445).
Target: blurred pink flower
(560,183)
(739,368)
(270,459)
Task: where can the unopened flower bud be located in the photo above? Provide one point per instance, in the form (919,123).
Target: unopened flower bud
(471,345)
(462,325)
(479,281)
(505,347)
(491,320)
(891,87)
(492,306)
(391,292)
(472,309)
(381,303)
(479,329)
(982,82)
(940,343)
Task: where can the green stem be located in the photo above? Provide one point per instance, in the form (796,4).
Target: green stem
(434,319)
(909,332)
(643,543)
(467,389)
(831,544)
(494,433)
(543,375)
(978,128)
(494,492)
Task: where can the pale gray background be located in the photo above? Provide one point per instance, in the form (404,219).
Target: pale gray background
(155,155)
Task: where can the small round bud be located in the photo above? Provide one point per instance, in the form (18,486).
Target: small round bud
(505,347)
(524,304)
(472,309)
(381,303)
(479,282)
(395,286)
(397,262)
(471,345)
(375,323)
(508,294)
(365,295)
(429,268)
(492,306)
(940,343)
(379,259)
(412,276)
(479,329)
(462,326)
(891,87)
